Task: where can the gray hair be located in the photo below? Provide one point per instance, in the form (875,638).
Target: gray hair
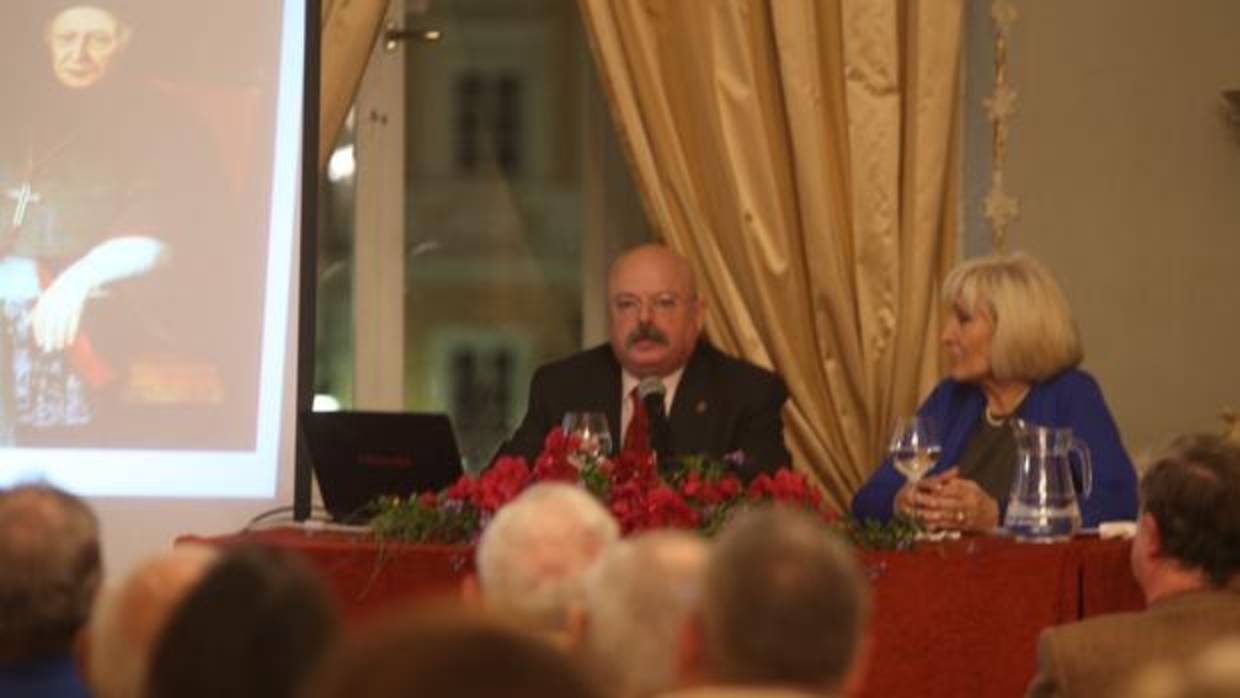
(1035,334)
(128,618)
(784,602)
(533,557)
(638,599)
(50,570)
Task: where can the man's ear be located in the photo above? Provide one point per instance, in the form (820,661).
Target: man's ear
(576,627)
(854,680)
(81,650)
(691,652)
(471,591)
(1153,535)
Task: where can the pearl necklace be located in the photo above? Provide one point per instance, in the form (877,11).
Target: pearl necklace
(998,420)
(995,420)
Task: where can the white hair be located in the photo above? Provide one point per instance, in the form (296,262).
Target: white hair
(533,557)
(637,600)
(128,618)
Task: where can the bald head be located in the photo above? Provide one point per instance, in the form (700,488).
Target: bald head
(129,618)
(654,311)
(49,570)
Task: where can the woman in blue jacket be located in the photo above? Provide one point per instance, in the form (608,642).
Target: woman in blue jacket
(1013,351)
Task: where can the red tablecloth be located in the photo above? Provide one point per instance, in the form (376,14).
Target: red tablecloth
(950,619)
(962,618)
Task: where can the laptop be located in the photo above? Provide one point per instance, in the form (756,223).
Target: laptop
(358,456)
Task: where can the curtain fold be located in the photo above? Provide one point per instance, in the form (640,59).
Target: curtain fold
(349,30)
(803,155)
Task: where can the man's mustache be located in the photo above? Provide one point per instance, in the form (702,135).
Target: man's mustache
(645,332)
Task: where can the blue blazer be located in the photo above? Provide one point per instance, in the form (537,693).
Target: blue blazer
(1068,399)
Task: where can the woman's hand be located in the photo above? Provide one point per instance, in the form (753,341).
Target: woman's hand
(949,502)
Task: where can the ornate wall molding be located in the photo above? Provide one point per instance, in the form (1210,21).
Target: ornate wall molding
(1000,207)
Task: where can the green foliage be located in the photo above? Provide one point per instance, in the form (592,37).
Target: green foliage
(415,520)
(898,534)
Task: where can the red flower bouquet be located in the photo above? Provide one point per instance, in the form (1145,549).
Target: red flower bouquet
(689,492)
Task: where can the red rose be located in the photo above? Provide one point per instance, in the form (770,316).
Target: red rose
(501,483)
(634,465)
(463,489)
(666,508)
(560,443)
(628,505)
(786,486)
(550,466)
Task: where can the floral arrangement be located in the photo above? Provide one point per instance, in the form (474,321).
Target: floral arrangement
(690,492)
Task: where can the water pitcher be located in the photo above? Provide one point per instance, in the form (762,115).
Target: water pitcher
(1043,506)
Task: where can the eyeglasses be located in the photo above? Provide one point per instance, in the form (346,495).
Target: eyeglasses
(627,304)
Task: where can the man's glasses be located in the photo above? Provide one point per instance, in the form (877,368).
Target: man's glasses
(628,305)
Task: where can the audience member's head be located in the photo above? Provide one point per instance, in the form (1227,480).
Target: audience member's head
(129,618)
(533,557)
(638,598)
(784,604)
(255,625)
(1215,673)
(50,571)
(1189,531)
(448,652)
(654,311)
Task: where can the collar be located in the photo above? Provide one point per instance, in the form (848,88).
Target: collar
(629,381)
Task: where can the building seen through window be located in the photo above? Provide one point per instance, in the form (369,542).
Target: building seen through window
(514,196)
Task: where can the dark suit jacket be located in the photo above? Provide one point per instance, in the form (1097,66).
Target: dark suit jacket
(1098,657)
(722,405)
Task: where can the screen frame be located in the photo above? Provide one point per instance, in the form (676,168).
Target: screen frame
(308,269)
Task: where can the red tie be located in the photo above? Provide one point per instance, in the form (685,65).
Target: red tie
(637,435)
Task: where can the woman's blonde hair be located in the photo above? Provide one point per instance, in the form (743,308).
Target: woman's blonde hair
(1035,336)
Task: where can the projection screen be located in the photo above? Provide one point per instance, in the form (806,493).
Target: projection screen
(150,178)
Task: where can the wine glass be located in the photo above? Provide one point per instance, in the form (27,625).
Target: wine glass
(592,432)
(915,446)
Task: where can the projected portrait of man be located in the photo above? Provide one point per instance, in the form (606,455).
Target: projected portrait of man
(84,40)
(93,223)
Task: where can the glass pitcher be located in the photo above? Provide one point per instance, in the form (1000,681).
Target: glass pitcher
(1043,506)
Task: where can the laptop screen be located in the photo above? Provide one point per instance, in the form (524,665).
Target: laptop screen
(358,456)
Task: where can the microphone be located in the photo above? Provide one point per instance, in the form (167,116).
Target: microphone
(652,391)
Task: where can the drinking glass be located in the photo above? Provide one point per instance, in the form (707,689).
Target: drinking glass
(593,435)
(915,446)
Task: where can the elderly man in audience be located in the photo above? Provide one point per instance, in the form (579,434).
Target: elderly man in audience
(783,609)
(50,571)
(1185,557)
(129,618)
(637,601)
(533,558)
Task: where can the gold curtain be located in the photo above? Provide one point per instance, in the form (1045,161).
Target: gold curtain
(349,30)
(804,155)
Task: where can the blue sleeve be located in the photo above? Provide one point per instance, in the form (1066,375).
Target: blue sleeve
(875,498)
(1114,495)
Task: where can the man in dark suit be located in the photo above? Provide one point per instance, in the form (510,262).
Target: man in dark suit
(714,404)
(1186,558)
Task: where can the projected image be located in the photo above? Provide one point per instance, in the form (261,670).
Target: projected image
(136,162)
